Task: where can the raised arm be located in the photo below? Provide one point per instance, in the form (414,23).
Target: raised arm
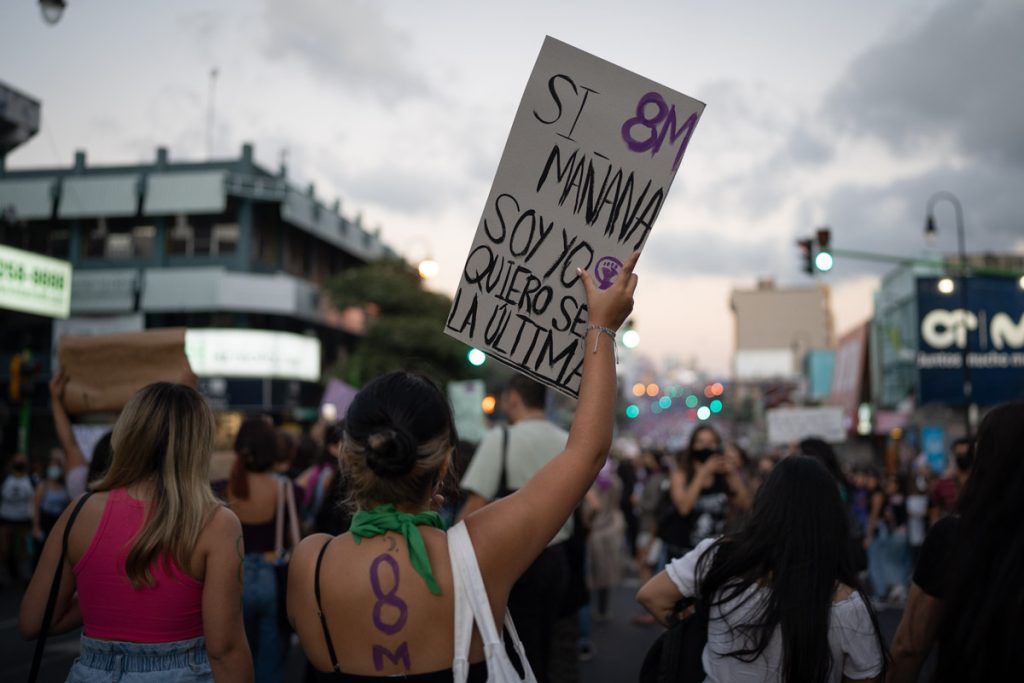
(74,460)
(510,533)
(685,493)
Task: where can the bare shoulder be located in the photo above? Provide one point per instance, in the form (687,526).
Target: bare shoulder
(843,592)
(223,521)
(308,549)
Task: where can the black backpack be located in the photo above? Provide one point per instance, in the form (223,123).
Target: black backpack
(676,656)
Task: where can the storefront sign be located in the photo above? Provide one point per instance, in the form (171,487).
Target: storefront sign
(32,283)
(988,333)
(253,353)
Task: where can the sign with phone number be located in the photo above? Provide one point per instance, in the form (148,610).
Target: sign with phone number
(32,283)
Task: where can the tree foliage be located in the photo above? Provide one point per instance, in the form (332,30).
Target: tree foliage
(408,328)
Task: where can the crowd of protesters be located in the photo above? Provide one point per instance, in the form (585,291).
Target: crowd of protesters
(335,539)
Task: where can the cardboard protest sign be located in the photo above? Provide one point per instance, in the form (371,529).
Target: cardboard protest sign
(105,371)
(588,163)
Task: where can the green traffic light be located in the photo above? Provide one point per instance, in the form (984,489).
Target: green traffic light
(824,261)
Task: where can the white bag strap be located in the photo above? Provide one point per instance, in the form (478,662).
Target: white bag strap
(470,585)
(463,618)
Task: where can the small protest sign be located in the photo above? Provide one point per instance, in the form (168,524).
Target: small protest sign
(588,163)
(467,408)
(790,425)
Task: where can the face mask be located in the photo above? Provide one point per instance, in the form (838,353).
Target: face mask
(53,472)
(964,462)
(18,467)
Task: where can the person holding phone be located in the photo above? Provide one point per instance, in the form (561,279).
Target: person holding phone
(705,487)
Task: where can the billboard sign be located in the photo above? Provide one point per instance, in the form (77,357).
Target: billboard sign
(989,331)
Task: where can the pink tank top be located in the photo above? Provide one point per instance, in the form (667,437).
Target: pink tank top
(111,608)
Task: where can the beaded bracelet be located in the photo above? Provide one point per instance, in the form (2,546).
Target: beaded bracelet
(604,330)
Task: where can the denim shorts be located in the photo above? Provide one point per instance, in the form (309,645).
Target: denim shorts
(113,661)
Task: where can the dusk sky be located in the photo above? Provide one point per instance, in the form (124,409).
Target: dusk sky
(845,114)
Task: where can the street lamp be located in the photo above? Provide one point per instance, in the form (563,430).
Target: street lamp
(52,10)
(930,233)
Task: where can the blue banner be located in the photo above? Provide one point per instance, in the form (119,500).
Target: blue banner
(987,330)
(933,443)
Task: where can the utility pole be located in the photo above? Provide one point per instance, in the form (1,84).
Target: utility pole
(210,111)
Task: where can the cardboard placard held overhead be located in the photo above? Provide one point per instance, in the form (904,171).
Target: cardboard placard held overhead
(592,153)
(106,370)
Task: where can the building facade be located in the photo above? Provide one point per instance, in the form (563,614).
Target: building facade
(776,328)
(215,245)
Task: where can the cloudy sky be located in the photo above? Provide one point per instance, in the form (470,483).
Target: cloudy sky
(846,114)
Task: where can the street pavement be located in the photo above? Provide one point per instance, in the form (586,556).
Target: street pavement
(619,645)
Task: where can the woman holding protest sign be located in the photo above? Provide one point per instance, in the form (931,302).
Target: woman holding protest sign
(418,588)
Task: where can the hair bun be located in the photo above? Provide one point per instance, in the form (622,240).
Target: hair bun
(391,453)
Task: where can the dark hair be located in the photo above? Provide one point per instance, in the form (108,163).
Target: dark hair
(795,543)
(820,450)
(256,451)
(306,453)
(984,590)
(532,392)
(101,455)
(334,434)
(685,458)
(399,431)
(961,441)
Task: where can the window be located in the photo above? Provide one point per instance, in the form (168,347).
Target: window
(180,238)
(201,236)
(114,238)
(224,239)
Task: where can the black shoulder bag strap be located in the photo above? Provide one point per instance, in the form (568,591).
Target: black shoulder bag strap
(51,602)
(503,489)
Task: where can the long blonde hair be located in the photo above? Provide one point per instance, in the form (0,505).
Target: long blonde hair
(164,436)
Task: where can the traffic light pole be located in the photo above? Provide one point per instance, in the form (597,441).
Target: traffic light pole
(903,260)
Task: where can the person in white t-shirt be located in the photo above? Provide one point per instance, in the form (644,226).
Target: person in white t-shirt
(506,459)
(780,595)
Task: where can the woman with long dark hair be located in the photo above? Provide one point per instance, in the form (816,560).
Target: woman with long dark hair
(968,589)
(780,594)
(706,490)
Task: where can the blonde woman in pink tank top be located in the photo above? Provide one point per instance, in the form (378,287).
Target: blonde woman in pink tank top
(153,569)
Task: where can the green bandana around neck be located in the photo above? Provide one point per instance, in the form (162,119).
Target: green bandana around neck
(384,518)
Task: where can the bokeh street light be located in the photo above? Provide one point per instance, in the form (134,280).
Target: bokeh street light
(476,357)
(428,268)
(946,285)
(52,10)
(631,339)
